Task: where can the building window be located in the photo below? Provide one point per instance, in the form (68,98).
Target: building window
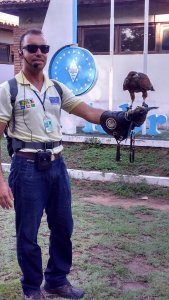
(128,39)
(132,38)
(165,38)
(95,39)
(4,53)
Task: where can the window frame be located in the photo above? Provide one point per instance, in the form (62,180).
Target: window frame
(119,27)
(158,27)
(81,34)
(162,27)
(8,46)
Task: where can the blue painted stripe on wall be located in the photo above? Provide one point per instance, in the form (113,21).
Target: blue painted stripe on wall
(74,22)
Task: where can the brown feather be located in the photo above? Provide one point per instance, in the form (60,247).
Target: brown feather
(137,82)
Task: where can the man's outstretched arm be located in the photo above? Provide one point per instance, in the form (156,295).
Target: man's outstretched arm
(88,112)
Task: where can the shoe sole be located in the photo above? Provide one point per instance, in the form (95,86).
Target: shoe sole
(55,296)
(52,296)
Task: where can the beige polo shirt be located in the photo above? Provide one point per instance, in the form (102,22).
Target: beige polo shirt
(33,108)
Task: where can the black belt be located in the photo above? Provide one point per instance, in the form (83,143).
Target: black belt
(32,156)
(18,144)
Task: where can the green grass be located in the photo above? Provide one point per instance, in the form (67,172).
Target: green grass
(148,161)
(95,156)
(119,254)
(124,190)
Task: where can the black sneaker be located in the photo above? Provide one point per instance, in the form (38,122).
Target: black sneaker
(37,295)
(65,291)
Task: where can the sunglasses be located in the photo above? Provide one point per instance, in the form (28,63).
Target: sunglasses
(34,48)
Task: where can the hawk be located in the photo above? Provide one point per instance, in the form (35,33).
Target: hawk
(137,82)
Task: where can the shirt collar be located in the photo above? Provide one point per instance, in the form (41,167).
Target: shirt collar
(20,77)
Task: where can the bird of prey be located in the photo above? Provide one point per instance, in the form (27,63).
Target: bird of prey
(136,82)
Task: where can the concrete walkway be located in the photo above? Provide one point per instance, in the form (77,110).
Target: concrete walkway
(110,141)
(110,177)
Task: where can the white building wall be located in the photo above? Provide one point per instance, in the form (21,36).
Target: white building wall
(7,72)
(158,64)
(6,37)
(158,72)
(58,27)
(59,30)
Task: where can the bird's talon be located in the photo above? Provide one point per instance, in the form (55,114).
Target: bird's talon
(129,107)
(144,104)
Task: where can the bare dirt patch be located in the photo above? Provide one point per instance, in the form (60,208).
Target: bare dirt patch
(129,286)
(111,200)
(134,286)
(139,266)
(145,217)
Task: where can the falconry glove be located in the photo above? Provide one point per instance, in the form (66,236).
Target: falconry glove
(119,124)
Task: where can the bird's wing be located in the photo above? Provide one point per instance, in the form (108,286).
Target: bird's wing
(144,82)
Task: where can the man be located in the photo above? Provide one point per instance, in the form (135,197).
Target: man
(38,179)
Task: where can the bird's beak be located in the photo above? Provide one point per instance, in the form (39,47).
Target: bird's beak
(149,108)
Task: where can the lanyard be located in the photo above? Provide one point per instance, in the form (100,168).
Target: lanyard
(42,102)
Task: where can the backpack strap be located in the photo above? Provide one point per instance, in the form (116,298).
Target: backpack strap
(13,88)
(58,88)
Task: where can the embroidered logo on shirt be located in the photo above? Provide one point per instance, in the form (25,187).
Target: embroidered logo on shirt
(27,103)
(54,100)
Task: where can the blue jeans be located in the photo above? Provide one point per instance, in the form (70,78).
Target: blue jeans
(35,191)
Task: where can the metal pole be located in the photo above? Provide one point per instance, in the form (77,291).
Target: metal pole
(111,55)
(74,35)
(146,22)
(145,51)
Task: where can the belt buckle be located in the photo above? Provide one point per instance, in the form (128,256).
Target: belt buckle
(49,145)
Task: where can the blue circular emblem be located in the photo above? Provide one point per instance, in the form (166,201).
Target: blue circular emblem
(75,67)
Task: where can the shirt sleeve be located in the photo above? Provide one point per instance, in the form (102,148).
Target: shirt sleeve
(5,103)
(69,100)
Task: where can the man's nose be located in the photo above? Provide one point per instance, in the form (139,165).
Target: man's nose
(38,51)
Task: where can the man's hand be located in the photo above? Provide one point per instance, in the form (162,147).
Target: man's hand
(120,123)
(6,196)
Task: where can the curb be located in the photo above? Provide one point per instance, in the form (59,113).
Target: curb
(112,141)
(110,177)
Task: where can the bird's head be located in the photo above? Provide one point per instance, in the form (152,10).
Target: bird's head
(133,74)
